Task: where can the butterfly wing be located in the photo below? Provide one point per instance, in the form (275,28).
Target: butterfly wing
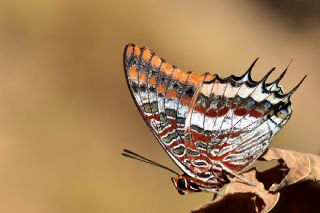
(163,95)
(241,118)
(206,123)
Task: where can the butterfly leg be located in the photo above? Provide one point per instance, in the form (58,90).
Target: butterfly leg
(243,179)
(240,177)
(216,194)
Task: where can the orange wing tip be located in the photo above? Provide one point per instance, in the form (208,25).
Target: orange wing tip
(137,50)
(209,77)
(166,68)
(129,50)
(180,75)
(156,61)
(146,54)
(196,79)
(132,49)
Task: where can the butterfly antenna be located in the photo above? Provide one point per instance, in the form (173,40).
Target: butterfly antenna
(135,156)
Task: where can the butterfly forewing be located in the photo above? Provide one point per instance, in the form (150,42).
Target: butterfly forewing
(163,95)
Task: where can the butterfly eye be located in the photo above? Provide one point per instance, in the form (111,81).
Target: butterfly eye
(182,184)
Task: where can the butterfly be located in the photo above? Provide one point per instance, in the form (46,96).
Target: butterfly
(213,128)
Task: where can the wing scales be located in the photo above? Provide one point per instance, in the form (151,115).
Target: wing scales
(163,95)
(204,121)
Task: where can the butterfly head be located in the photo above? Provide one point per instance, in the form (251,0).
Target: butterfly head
(185,185)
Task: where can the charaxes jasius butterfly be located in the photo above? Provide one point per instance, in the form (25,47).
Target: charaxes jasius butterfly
(213,128)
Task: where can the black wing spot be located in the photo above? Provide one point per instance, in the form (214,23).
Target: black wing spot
(190,92)
(152,89)
(143,88)
(135,87)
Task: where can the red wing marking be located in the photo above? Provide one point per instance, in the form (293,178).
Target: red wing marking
(240,112)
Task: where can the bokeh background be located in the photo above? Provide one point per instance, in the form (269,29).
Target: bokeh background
(66,112)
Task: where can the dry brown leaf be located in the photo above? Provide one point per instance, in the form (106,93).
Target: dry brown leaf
(302,167)
(291,186)
(251,198)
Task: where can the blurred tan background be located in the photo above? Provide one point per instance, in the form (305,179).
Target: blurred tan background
(66,112)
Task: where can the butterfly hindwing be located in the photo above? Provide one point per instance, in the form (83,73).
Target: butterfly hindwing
(250,121)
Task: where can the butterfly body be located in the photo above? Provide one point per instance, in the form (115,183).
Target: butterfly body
(211,127)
